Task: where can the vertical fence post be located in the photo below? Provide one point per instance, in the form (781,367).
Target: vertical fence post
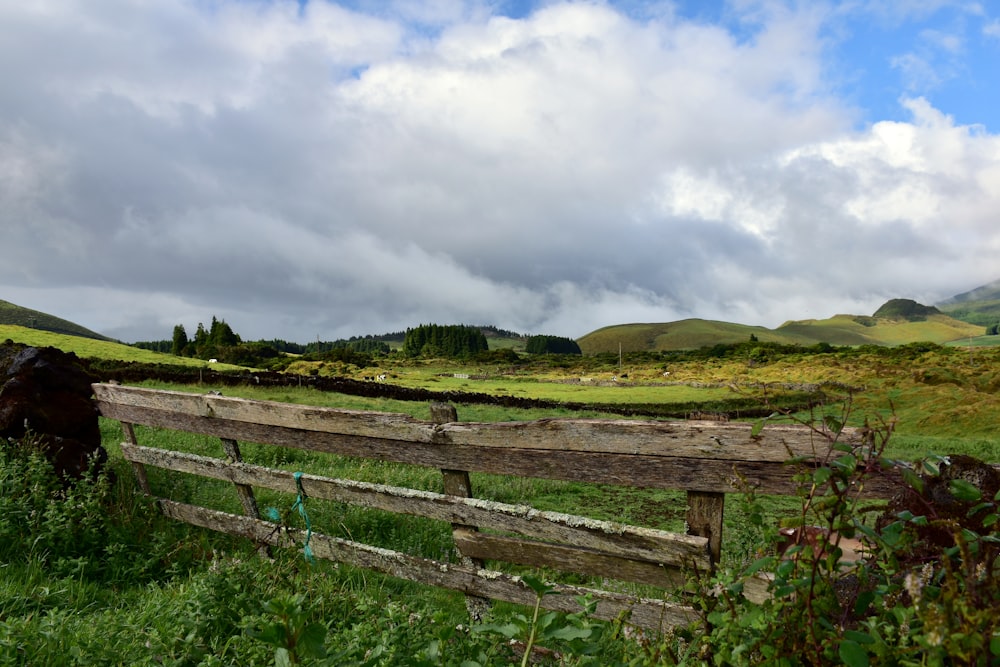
(137,468)
(704,519)
(457,483)
(244,491)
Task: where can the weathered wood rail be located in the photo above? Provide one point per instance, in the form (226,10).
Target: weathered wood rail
(705,459)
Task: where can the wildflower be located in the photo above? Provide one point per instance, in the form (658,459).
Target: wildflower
(913,585)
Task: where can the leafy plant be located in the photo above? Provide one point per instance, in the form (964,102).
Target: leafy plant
(575,631)
(911,600)
(290,632)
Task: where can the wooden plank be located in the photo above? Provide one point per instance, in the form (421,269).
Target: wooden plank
(645,613)
(567,558)
(702,440)
(649,471)
(635,542)
(270,413)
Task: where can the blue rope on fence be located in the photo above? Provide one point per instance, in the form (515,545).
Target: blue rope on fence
(300,505)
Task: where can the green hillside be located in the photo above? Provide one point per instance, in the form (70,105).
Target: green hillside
(979,306)
(33,319)
(863,330)
(681,335)
(837,330)
(91,348)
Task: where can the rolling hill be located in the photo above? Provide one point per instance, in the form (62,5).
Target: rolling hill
(32,319)
(898,322)
(680,335)
(978,306)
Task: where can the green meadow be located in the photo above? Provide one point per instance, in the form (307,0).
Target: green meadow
(105,579)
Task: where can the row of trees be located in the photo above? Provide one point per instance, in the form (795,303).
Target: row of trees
(436,340)
(552,345)
(219,341)
(207,343)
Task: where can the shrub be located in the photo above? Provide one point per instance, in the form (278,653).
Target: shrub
(912,601)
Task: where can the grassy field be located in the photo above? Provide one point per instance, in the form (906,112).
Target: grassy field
(165,594)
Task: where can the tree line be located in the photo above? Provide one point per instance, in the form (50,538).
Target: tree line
(219,341)
(436,340)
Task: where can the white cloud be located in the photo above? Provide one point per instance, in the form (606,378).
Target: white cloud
(330,172)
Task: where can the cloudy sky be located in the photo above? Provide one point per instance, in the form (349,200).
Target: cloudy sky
(317,169)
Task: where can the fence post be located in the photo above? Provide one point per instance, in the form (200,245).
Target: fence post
(244,491)
(139,469)
(457,483)
(704,519)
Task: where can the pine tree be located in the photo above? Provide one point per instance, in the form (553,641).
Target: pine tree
(180,340)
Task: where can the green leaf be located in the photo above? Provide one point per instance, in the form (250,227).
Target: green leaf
(846,462)
(282,658)
(964,491)
(833,423)
(932,464)
(569,633)
(821,476)
(852,654)
(508,630)
(272,633)
(912,480)
(312,641)
(858,637)
(536,584)
(864,601)
(761,563)
(545,620)
(757,428)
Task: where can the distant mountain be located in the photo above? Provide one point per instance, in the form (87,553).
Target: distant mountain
(979,306)
(33,319)
(897,322)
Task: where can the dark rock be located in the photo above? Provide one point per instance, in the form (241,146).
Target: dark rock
(945,512)
(45,393)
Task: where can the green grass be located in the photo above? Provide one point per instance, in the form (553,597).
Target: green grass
(89,348)
(165,593)
(11,314)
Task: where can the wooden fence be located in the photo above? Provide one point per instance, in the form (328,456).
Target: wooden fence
(704,459)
